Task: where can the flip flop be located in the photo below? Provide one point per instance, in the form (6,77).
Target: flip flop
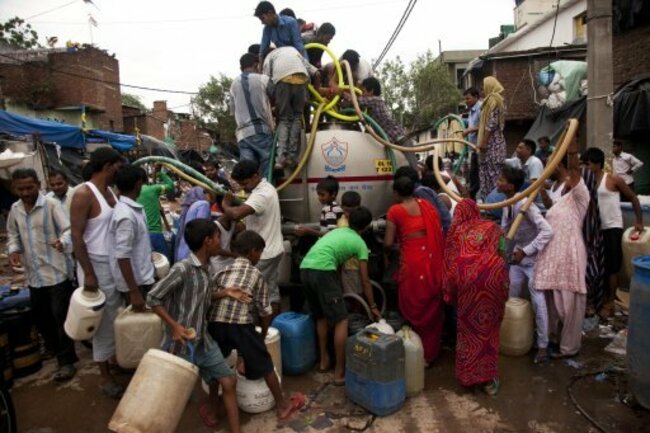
(207,416)
(65,373)
(297,401)
(112,390)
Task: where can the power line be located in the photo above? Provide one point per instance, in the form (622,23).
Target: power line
(217,18)
(51,10)
(99,80)
(396,32)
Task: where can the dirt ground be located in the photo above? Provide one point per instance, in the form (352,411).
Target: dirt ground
(532,399)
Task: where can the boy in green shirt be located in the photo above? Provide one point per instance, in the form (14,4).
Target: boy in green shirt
(322,285)
(149,198)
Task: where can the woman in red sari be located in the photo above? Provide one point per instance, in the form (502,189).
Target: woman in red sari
(416,224)
(476,280)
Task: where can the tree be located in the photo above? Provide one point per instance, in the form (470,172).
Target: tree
(133,101)
(435,93)
(419,94)
(14,33)
(211,107)
(397,89)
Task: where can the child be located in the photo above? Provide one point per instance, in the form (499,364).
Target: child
(224,258)
(323,289)
(327,190)
(131,259)
(182,299)
(531,238)
(231,320)
(350,272)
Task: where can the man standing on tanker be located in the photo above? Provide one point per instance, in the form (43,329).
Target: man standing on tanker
(91,212)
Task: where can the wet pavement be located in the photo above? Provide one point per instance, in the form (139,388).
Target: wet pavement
(532,399)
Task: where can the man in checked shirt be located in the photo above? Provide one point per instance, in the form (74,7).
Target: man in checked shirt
(231,321)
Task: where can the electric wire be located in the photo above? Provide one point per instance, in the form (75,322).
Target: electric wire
(396,32)
(99,80)
(51,10)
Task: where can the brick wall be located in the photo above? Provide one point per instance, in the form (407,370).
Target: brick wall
(147,124)
(192,137)
(160,110)
(36,84)
(631,52)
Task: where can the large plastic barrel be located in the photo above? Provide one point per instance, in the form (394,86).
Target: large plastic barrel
(23,340)
(135,333)
(638,344)
(516,337)
(157,395)
(298,337)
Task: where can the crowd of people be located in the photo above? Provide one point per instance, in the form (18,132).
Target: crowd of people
(100,235)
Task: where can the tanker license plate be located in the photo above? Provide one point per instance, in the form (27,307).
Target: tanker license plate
(383,166)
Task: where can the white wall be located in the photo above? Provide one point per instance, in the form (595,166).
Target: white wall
(526,39)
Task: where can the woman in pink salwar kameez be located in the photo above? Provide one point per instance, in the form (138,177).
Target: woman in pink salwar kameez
(560,268)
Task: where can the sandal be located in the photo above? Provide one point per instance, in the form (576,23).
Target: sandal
(208,417)
(296,401)
(541,357)
(65,373)
(112,390)
(492,387)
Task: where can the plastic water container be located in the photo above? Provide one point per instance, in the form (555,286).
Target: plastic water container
(516,336)
(284,268)
(156,396)
(298,336)
(135,333)
(414,361)
(274,347)
(638,344)
(382,327)
(84,314)
(254,396)
(160,264)
(374,371)
(634,244)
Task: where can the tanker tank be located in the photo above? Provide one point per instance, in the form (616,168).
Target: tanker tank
(355,159)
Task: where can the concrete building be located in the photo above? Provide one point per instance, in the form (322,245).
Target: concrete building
(457,62)
(165,125)
(60,83)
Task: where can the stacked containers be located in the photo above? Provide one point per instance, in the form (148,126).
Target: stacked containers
(374,374)
(298,342)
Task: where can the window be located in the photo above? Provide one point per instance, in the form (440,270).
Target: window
(580,28)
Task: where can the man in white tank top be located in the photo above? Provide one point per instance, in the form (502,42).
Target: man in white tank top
(610,188)
(91,212)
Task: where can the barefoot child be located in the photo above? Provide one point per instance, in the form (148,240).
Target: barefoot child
(182,299)
(232,317)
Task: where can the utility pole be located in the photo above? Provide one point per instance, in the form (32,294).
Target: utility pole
(600,73)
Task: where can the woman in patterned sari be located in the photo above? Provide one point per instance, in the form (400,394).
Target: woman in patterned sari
(476,280)
(416,224)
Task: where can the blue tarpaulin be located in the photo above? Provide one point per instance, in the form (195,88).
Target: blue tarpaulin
(53,132)
(66,136)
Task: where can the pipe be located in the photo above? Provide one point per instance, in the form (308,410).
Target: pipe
(187,177)
(567,137)
(185,168)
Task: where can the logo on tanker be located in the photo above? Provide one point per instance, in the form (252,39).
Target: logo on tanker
(335,153)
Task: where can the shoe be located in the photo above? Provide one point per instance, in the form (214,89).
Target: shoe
(65,373)
(112,390)
(492,387)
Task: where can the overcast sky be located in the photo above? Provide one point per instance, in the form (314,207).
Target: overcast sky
(179,44)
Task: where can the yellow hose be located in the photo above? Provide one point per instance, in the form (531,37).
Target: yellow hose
(329,108)
(187,177)
(307,153)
